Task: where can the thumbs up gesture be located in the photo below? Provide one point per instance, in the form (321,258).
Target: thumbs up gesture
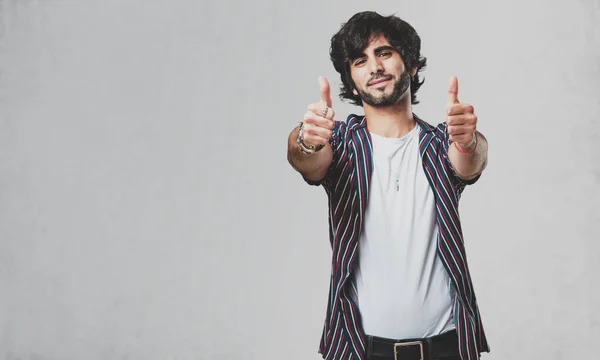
(461,120)
(318,119)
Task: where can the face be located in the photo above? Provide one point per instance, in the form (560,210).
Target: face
(380,76)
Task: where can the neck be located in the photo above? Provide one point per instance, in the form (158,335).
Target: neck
(393,121)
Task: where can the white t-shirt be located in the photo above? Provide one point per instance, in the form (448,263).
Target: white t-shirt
(402,287)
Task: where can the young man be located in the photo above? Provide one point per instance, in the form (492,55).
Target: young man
(400,285)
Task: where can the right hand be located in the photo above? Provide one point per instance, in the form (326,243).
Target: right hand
(317,128)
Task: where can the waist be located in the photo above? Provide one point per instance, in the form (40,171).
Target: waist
(439,346)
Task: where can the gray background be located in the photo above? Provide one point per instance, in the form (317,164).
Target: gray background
(147,210)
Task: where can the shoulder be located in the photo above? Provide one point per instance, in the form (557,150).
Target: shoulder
(352,120)
(427,127)
(351,123)
(441,130)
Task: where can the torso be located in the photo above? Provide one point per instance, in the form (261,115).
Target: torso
(401,285)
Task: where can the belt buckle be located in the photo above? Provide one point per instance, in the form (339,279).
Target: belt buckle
(397,345)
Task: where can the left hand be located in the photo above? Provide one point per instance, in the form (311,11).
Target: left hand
(461,119)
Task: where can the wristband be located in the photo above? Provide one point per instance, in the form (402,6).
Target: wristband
(304,148)
(467,152)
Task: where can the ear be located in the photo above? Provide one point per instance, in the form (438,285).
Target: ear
(413,72)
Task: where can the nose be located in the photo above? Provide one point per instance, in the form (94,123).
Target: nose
(376,65)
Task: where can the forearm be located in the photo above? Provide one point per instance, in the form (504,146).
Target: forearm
(468,166)
(313,167)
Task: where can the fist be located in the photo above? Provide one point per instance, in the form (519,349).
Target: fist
(460,118)
(318,119)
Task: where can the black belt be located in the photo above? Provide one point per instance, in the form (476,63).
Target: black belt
(439,346)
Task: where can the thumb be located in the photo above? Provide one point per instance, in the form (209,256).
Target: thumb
(325,90)
(453,91)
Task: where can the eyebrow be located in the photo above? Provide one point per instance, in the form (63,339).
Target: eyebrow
(384,47)
(377,50)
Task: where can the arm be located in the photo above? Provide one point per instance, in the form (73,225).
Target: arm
(468,148)
(313,167)
(471,162)
(317,128)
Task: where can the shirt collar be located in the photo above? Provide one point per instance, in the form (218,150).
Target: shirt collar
(356,122)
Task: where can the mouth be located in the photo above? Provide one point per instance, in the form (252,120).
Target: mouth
(379,82)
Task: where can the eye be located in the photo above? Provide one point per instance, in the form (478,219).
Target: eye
(385,54)
(359,62)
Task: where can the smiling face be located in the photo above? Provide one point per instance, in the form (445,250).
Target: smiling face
(379,74)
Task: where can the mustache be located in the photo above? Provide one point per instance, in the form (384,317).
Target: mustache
(379,77)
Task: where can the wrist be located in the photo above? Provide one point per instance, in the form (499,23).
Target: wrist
(468,148)
(305,148)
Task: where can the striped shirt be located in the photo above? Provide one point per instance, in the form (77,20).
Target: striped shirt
(347,186)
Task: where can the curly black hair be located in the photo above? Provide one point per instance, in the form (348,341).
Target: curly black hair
(354,36)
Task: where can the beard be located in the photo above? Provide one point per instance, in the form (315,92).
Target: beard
(379,98)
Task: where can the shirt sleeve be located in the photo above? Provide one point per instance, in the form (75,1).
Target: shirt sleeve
(338,146)
(459,183)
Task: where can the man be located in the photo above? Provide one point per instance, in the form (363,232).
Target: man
(400,285)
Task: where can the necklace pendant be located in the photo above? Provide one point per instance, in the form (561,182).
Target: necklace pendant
(397,186)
